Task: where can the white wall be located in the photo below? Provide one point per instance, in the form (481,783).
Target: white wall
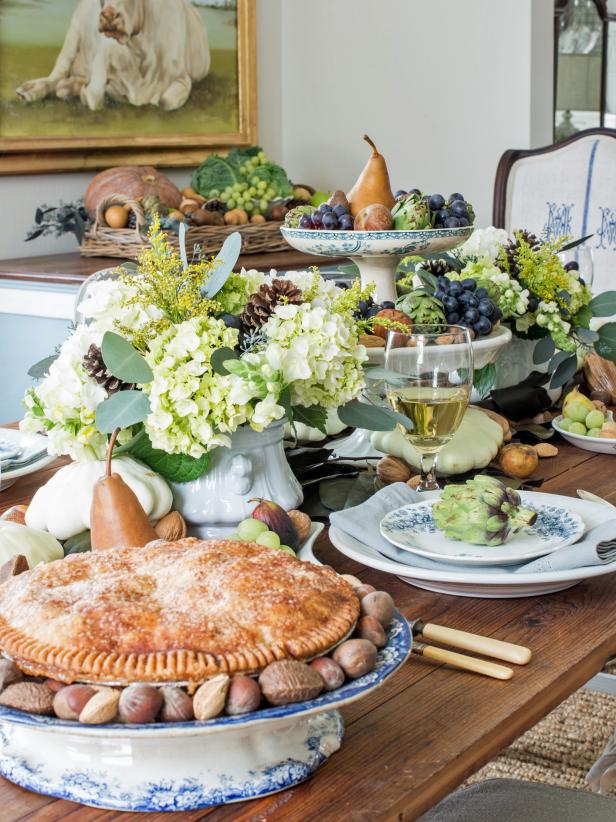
(442,86)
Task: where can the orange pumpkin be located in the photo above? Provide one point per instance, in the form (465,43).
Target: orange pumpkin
(133,182)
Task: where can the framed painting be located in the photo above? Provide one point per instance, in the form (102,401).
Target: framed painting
(93,83)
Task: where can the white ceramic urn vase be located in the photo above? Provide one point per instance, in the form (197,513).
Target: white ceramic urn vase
(255,466)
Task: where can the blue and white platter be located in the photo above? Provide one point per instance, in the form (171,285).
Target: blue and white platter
(375,243)
(412,528)
(186,765)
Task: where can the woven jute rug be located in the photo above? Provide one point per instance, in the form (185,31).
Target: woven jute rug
(561,748)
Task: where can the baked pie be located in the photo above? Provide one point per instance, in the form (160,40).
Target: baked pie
(172,612)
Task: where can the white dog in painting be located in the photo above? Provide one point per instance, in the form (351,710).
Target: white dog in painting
(144,52)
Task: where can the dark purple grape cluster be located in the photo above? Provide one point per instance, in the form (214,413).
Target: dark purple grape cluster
(328,218)
(467,305)
(368,308)
(455,212)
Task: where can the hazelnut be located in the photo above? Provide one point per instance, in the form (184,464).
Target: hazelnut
(177,705)
(31,697)
(414,482)
(171,527)
(370,628)
(364,589)
(601,396)
(330,672)
(69,702)
(354,582)
(139,704)
(288,680)
(101,708)
(380,605)
(243,696)
(392,469)
(356,657)
(209,699)
(9,673)
(55,685)
(301,523)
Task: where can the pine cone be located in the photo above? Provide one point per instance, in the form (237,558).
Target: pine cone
(513,247)
(95,366)
(261,305)
(439,268)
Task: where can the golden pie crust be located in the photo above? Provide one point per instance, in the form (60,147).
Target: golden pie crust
(172,612)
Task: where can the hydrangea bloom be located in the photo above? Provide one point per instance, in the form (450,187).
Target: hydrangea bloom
(484,243)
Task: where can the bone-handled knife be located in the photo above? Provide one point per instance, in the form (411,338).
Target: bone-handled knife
(485,645)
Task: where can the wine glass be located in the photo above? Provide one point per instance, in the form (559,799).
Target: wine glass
(583,256)
(429,379)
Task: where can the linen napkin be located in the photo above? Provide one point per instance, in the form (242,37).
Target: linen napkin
(597,546)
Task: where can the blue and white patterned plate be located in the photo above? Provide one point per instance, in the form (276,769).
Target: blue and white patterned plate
(412,528)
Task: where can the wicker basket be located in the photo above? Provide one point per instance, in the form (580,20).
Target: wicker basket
(128,243)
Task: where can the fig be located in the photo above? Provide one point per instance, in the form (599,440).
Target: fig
(518,460)
(277,520)
(374,217)
(338,198)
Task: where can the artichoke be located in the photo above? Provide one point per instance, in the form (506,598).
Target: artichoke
(411,213)
(293,216)
(483,511)
(422,308)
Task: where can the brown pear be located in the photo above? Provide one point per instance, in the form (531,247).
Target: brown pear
(372,185)
(117,519)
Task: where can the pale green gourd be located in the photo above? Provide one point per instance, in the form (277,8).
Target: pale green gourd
(37,546)
(474,445)
(305,433)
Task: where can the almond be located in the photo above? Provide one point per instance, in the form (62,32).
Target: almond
(17,513)
(545,449)
(209,699)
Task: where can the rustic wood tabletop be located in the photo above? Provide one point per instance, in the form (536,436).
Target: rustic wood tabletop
(417,738)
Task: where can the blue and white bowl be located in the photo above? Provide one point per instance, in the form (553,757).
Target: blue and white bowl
(186,765)
(375,243)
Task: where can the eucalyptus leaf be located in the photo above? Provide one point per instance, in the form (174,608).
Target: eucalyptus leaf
(220,356)
(123,360)
(121,410)
(537,431)
(543,350)
(224,262)
(586,335)
(604,305)
(343,492)
(428,279)
(606,344)
(357,414)
(376,372)
(128,266)
(182,242)
(564,371)
(173,467)
(556,360)
(314,416)
(78,544)
(284,399)
(41,368)
(484,379)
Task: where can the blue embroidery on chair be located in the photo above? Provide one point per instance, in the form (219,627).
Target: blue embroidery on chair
(606,233)
(558,223)
(591,164)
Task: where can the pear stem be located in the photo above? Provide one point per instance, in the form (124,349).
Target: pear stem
(110,448)
(375,151)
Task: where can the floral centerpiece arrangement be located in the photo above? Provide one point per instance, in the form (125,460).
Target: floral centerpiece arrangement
(538,296)
(178,356)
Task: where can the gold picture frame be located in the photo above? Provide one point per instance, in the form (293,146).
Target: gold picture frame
(36,155)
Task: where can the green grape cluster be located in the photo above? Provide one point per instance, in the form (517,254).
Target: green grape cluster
(253,193)
(254,530)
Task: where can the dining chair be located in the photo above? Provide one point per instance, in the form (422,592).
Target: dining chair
(513,800)
(567,189)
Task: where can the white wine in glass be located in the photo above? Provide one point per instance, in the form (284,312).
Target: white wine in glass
(429,381)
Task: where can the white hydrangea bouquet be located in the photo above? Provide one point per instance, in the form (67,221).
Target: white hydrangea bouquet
(178,356)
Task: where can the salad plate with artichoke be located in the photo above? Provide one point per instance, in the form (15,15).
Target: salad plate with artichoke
(482,522)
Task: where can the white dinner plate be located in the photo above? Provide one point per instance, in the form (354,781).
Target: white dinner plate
(483,582)
(32,445)
(412,528)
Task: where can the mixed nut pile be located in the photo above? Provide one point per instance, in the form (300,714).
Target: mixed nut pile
(280,683)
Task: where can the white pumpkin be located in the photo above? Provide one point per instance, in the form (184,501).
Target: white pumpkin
(37,546)
(474,445)
(62,505)
(305,433)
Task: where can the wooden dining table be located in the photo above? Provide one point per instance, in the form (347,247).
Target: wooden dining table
(413,741)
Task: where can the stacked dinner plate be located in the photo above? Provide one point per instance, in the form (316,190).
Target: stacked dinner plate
(21,454)
(415,551)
